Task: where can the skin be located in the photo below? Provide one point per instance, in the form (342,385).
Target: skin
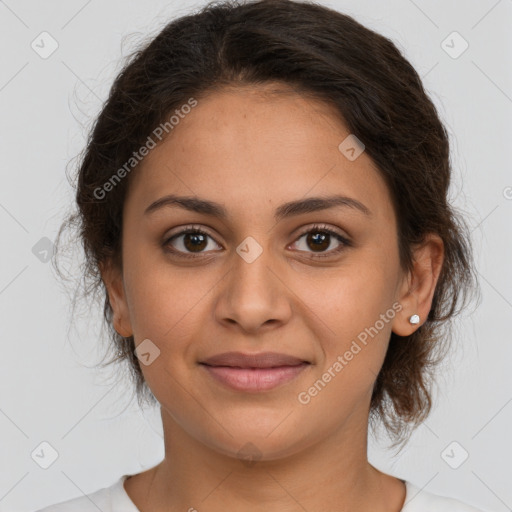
(251,151)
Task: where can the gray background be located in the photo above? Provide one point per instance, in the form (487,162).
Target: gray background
(51,391)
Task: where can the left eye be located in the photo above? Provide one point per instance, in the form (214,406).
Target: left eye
(320,238)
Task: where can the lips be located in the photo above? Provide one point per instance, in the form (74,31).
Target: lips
(254,373)
(259,360)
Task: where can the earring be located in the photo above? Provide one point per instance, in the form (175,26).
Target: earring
(414,319)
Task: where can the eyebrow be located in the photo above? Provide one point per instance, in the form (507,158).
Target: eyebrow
(290,209)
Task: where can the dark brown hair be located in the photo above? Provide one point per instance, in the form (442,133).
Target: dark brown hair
(325,55)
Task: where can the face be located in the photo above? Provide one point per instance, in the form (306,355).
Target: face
(322,284)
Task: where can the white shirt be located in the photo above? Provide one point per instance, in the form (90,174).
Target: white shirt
(116,499)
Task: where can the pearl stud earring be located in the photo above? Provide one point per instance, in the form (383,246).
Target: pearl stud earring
(414,319)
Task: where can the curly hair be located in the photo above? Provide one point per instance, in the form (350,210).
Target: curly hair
(325,55)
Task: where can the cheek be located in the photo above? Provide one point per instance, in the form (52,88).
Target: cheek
(359,318)
(351,295)
(350,310)
(167,303)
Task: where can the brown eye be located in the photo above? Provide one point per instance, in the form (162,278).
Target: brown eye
(189,241)
(194,242)
(319,239)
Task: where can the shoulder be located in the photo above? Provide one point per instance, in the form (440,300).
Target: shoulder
(89,502)
(418,500)
(108,499)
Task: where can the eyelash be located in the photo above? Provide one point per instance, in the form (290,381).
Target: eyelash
(313,229)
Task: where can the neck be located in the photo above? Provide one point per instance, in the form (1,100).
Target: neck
(332,474)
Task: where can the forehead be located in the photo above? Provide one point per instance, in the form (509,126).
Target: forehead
(255,146)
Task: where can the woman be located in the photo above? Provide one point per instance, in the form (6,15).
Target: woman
(263,203)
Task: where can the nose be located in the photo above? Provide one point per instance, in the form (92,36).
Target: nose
(253,294)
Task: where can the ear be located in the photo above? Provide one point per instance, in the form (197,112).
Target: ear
(113,280)
(417,290)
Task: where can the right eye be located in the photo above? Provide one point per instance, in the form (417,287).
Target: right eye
(188,243)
